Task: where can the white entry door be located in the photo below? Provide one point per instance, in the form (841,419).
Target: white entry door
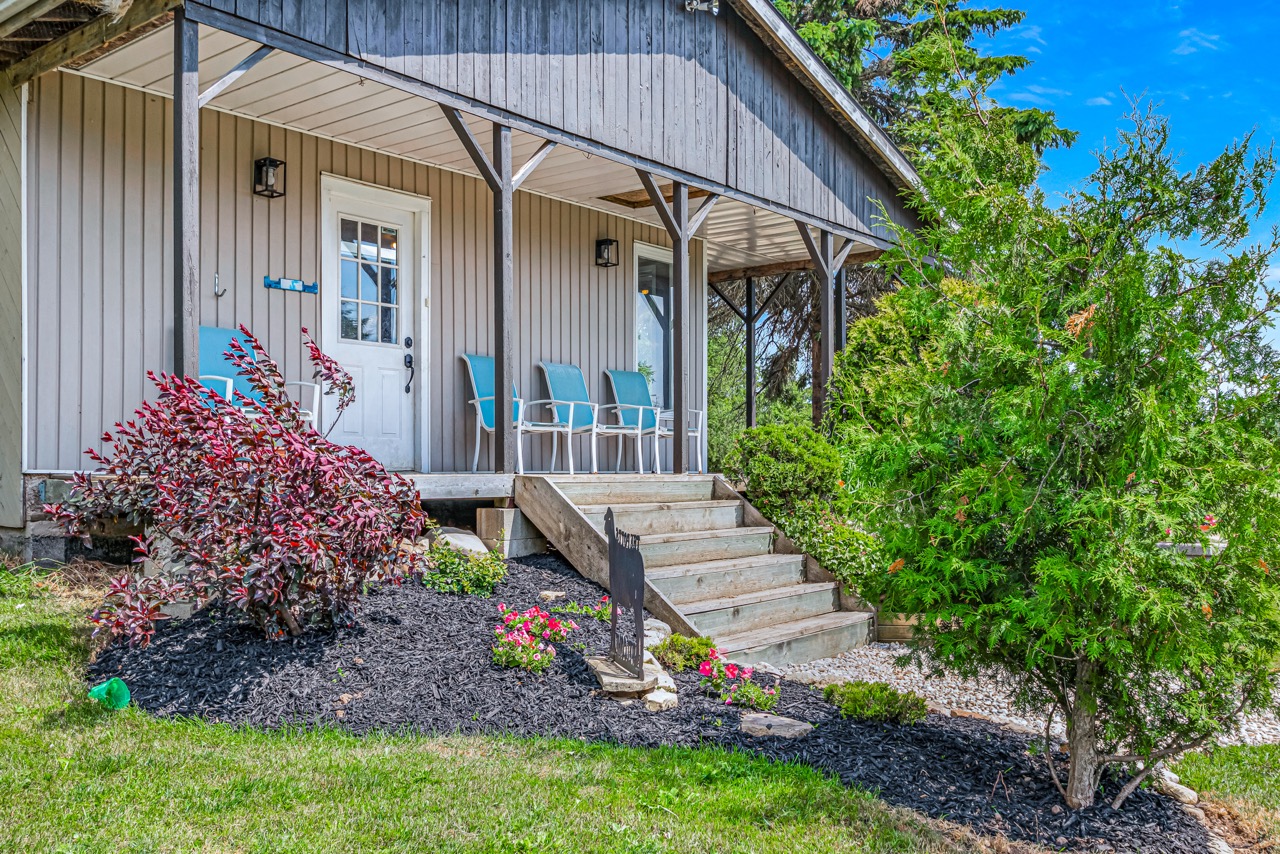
(369,294)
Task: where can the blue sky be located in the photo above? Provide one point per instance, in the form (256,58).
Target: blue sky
(1214,67)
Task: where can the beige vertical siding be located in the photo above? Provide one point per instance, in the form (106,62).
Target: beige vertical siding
(101,305)
(11,205)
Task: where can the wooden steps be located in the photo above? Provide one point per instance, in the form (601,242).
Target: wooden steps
(713,565)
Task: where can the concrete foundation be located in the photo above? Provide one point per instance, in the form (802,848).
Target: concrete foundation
(508,532)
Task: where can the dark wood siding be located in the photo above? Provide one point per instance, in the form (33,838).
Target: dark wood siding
(696,93)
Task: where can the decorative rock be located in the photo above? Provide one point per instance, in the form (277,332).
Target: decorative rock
(550,595)
(761,724)
(462,540)
(660,700)
(1055,809)
(650,660)
(1194,812)
(614,680)
(961,713)
(665,682)
(657,629)
(1177,791)
(1219,846)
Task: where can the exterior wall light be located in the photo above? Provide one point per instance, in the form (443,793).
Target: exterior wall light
(268,177)
(712,6)
(606,252)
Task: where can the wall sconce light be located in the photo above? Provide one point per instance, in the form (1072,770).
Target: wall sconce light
(268,177)
(606,252)
(712,6)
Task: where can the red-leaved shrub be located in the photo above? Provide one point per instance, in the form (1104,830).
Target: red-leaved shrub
(252,506)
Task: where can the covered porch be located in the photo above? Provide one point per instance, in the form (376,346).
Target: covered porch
(496,195)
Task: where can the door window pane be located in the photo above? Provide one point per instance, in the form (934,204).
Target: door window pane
(389,330)
(349,273)
(350,329)
(653,327)
(370,282)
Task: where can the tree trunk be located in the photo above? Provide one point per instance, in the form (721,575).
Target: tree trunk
(1082,739)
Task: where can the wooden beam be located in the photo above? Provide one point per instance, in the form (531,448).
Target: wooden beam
(822,253)
(242,68)
(636,199)
(472,145)
(780,267)
(91,37)
(25,16)
(842,310)
(186,195)
(741,314)
(532,163)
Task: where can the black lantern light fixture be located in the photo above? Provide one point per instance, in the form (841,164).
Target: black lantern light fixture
(606,252)
(712,6)
(268,177)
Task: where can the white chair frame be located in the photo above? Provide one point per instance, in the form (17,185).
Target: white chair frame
(310,415)
(667,431)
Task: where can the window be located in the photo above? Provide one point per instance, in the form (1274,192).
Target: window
(370,273)
(653,323)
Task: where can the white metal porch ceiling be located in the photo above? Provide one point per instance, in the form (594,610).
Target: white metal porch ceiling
(292,92)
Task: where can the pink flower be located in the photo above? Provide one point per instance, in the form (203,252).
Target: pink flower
(537,656)
(731,670)
(705,668)
(747,672)
(502,606)
(604,598)
(713,653)
(728,701)
(546,635)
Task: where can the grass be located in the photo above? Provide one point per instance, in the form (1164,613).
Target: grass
(75,777)
(1246,779)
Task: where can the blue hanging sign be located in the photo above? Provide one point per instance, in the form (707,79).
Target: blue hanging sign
(291,285)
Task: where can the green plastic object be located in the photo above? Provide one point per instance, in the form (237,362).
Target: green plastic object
(113,693)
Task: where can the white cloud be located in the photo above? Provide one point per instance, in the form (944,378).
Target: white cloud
(1029,98)
(1032,33)
(1273,274)
(1099,101)
(1194,40)
(1045,90)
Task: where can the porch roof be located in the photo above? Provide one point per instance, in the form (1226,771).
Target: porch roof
(300,94)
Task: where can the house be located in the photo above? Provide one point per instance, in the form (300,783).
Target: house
(495,147)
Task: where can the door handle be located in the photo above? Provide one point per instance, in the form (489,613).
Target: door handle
(408,363)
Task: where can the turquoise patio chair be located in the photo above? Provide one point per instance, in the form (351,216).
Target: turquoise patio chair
(635,411)
(572,409)
(482,373)
(217,372)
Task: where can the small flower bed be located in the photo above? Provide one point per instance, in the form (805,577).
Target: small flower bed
(733,684)
(599,611)
(525,639)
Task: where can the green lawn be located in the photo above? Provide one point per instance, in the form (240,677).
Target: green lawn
(1245,778)
(74,777)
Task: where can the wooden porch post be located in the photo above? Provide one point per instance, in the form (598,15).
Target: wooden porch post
(751,351)
(186,194)
(842,309)
(827,263)
(503,181)
(680,227)
(504,357)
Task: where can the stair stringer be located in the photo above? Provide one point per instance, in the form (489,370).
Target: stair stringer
(782,544)
(568,529)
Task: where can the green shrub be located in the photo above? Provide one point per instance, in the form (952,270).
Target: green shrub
(452,571)
(782,466)
(876,701)
(678,653)
(832,539)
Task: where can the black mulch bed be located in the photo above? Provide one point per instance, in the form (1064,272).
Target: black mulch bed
(419,660)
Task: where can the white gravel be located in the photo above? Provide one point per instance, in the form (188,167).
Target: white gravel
(951,695)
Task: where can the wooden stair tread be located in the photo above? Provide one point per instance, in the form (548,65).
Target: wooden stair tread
(649,539)
(680,570)
(655,506)
(753,638)
(705,605)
